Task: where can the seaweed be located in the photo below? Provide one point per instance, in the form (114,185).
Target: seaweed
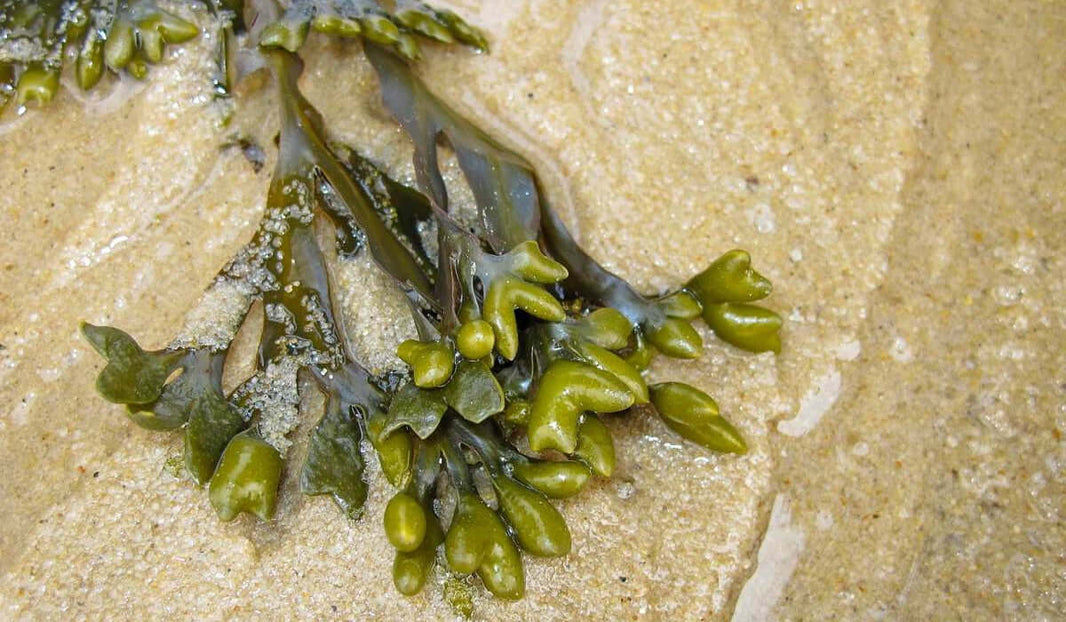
(525,343)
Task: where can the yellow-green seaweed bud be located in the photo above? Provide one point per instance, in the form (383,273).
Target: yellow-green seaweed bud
(748,327)
(89,68)
(119,47)
(151,44)
(730,279)
(463,31)
(409,572)
(608,328)
(408,46)
(425,24)
(288,34)
(473,527)
(527,261)
(431,363)
(694,415)
(38,85)
(608,361)
(138,67)
(502,571)
(394,451)
(246,479)
(332,24)
(173,29)
(676,338)
(681,305)
(557,480)
(539,527)
(475,339)
(477,541)
(508,293)
(411,569)
(405,522)
(379,29)
(595,447)
(565,391)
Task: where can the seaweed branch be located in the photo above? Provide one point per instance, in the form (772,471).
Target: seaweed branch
(525,343)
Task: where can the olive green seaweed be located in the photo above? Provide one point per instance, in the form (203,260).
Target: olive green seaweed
(526,346)
(246,478)
(334,463)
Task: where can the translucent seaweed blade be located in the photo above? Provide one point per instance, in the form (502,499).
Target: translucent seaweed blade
(302,126)
(404,210)
(132,375)
(505,188)
(213,422)
(334,463)
(503,183)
